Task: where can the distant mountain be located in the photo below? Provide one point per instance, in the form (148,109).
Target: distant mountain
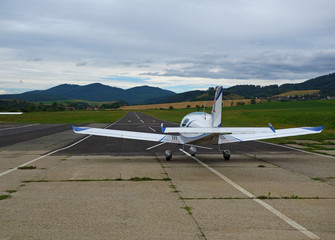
(183,97)
(324,83)
(199,95)
(145,94)
(94,92)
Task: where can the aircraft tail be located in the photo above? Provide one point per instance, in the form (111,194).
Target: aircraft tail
(217,107)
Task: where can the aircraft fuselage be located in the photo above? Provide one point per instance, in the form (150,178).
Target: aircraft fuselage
(196,120)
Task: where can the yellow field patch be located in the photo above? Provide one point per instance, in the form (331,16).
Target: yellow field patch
(225,103)
(299,93)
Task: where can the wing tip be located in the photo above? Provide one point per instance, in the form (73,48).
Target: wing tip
(78,129)
(315,129)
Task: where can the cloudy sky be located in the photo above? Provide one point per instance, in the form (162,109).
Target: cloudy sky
(173,44)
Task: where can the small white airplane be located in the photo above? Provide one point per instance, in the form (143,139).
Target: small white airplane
(202,128)
(11,113)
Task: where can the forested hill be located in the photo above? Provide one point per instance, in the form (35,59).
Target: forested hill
(147,95)
(94,92)
(324,83)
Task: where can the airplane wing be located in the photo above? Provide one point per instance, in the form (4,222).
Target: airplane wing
(154,137)
(207,135)
(287,132)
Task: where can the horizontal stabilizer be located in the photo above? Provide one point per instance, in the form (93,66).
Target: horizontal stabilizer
(223,130)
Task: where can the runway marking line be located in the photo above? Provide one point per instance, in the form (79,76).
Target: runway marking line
(55,151)
(152,129)
(157,145)
(262,203)
(30,125)
(296,149)
(43,156)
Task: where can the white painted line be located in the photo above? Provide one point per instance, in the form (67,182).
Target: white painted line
(50,153)
(149,148)
(19,127)
(152,129)
(43,156)
(198,146)
(141,121)
(300,150)
(262,203)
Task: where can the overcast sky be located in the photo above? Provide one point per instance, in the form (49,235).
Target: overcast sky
(174,44)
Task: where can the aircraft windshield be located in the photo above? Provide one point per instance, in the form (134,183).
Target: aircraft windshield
(185,122)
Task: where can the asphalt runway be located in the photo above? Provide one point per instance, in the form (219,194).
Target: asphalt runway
(72,186)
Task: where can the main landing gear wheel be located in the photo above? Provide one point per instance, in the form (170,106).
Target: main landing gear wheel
(168,155)
(226,154)
(193,151)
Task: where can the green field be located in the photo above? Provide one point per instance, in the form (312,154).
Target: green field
(279,114)
(71,117)
(65,102)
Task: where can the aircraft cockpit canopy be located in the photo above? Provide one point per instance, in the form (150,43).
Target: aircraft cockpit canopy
(185,122)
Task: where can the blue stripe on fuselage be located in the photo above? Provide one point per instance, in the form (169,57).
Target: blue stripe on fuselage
(190,123)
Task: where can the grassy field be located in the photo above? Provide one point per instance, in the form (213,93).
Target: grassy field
(64,102)
(279,114)
(70,117)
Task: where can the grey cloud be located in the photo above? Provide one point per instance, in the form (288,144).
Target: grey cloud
(210,39)
(81,64)
(35,59)
(269,65)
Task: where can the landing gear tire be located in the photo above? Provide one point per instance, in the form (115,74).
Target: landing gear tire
(193,151)
(226,154)
(168,155)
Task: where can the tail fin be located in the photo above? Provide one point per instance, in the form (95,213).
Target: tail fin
(217,107)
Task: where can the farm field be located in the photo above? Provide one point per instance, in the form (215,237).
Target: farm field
(181,105)
(298,93)
(66,117)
